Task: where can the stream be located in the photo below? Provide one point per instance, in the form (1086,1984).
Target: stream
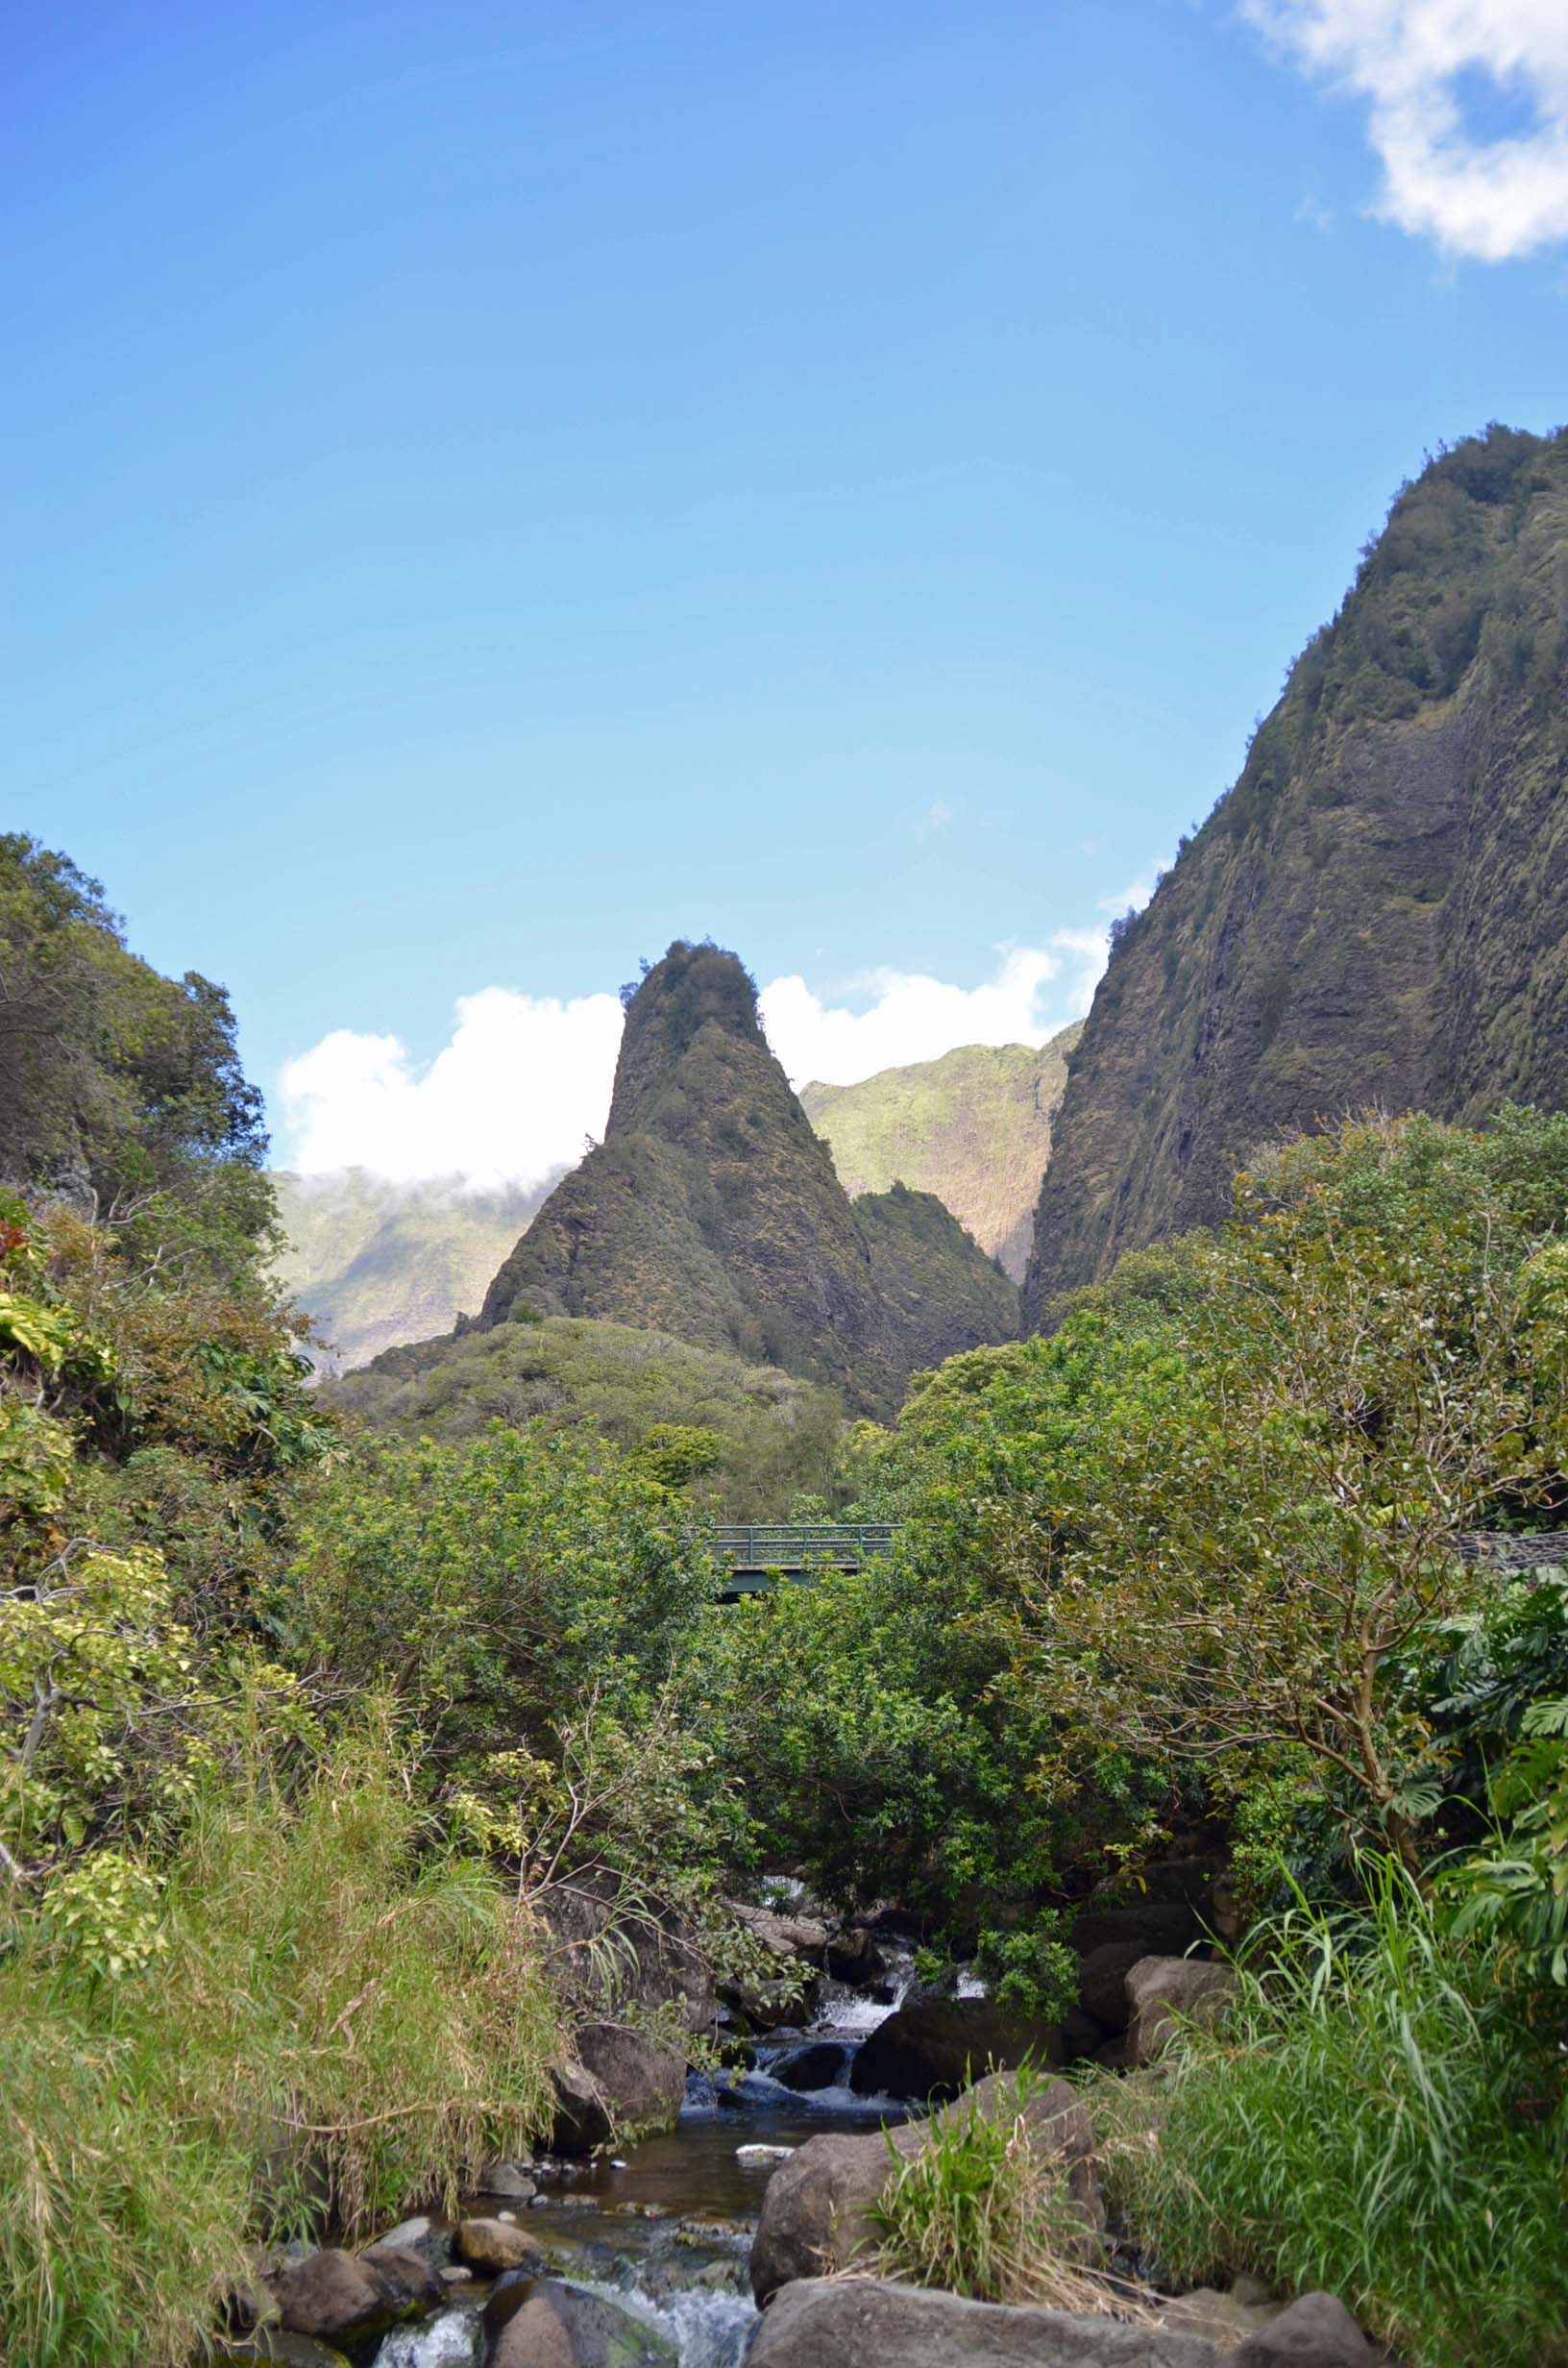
(664,2230)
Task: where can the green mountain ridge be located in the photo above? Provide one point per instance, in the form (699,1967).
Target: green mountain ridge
(711,1211)
(374,1263)
(973,1128)
(1377,913)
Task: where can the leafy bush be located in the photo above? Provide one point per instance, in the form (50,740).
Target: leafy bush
(1371,2119)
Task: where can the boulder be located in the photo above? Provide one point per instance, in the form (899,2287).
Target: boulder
(1318,2332)
(495,2245)
(1102,1983)
(853,1956)
(1224,2318)
(807,2069)
(1164,1928)
(935,2047)
(545,2323)
(868,2323)
(511,2180)
(817,2207)
(623,1965)
(1160,1989)
(334,2293)
(784,1936)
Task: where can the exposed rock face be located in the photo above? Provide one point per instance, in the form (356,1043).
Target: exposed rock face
(494,2245)
(817,2207)
(620,1969)
(336,2293)
(1160,1989)
(974,1128)
(546,2324)
(711,1211)
(1377,912)
(867,2323)
(1318,2332)
(935,2047)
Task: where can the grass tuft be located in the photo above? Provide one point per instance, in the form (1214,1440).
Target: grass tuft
(983,2209)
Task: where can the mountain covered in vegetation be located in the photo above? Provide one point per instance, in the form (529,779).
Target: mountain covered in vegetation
(973,1128)
(711,1211)
(373,1263)
(1377,913)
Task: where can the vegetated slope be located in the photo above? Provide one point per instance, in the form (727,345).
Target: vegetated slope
(374,1263)
(711,1211)
(772,1435)
(974,1128)
(1376,914)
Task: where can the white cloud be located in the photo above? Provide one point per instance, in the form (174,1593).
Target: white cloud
(508,1099)
(1413,61)
(524,1080)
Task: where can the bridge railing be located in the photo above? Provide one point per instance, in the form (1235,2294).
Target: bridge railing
(794,1545)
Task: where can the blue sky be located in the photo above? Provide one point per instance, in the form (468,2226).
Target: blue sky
(495,488)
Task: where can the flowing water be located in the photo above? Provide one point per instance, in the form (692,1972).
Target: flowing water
(666,2229)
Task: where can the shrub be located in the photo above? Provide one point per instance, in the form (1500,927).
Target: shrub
(1366,2121)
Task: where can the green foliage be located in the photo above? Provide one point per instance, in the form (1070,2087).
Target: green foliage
(321,1996)
(777,1436)
(488,1586)
(116,1078)
(983,2208)
(1369,2120)
(1031,1969)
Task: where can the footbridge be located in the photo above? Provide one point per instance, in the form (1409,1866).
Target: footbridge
(758,1554)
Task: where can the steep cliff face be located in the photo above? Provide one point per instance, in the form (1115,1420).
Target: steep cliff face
(1378,912)
(711,1211)
(974,1128)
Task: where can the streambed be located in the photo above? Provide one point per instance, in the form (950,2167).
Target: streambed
(664,2230)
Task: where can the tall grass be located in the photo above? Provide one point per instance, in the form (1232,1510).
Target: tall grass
(344,2017)
(983,2209)
(1373,2120)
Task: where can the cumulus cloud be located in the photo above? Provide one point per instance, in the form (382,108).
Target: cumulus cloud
(510,1099)
(524,1080)
(1418,63)
(903,1016)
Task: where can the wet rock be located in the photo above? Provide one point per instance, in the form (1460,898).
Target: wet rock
(868,2323)
(496,2245)
(636,2082)
(513,2180)
(1161,1989)
(810,2068)
(1318,2332)
(272,2343)
(334,2293)
(935,2047)
(1102,1983)
(853,1957)
(411,2235)
(815,2214)
(545,2323)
